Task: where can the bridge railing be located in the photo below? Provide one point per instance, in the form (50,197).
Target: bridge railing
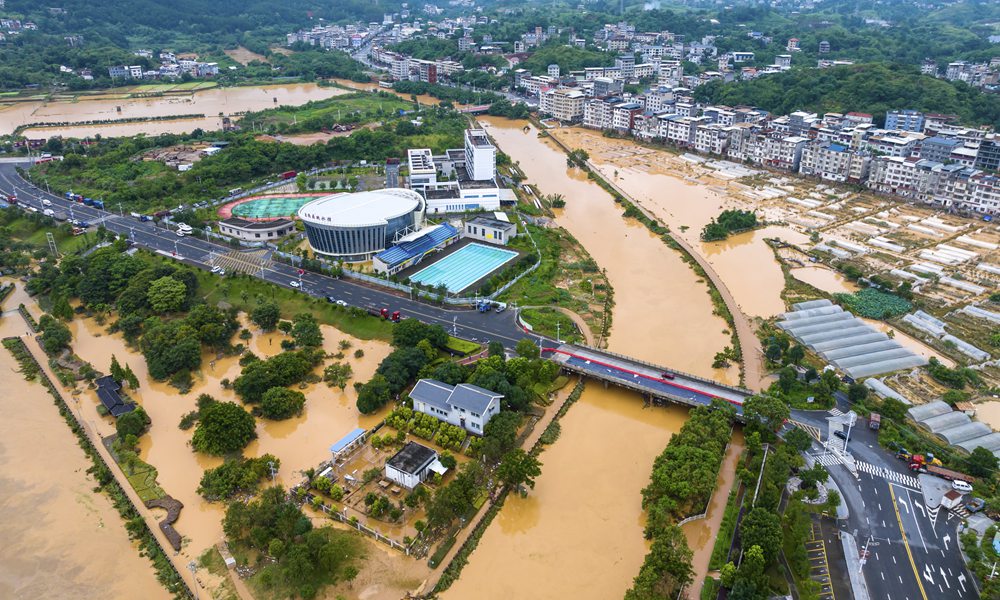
(637,361)
(633,386)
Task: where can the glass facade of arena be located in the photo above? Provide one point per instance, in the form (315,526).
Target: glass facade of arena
(355,243)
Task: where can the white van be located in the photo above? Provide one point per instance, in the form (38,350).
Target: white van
(49,212)
(46,202)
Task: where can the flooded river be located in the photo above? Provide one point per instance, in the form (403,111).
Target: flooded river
(212,103)
(299,443)
(744,261)
(60,539)
(579,533)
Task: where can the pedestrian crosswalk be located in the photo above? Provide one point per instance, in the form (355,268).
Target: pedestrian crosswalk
(836,412)
(888,475)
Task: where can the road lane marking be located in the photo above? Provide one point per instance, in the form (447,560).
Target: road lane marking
(909,553)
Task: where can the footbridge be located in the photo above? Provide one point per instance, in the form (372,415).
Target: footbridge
(652,381)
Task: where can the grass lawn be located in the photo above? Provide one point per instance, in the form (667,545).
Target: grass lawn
(461,346)
(547,322)
(243,292)
(338,109)
(711,589)
(212,561)
(25,230)
(726,529)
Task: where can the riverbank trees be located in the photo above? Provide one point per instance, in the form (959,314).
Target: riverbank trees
(681,484)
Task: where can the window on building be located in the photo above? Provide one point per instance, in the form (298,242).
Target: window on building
(256,235)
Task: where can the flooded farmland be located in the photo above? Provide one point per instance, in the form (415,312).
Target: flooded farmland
(60,538)
(211,103)
(299,443)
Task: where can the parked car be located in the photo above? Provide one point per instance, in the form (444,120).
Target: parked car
(331,299)
(840,434)
(295,284)
(180,233)
(961,486)
(341,303)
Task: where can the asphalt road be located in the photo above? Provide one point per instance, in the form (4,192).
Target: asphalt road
(912,549)
(464,323)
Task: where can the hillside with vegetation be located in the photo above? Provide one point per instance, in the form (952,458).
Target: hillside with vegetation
(869,88)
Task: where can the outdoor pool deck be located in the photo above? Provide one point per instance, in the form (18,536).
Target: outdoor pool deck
(467,265)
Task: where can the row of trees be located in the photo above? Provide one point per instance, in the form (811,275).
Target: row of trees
(728,221)
(682,481)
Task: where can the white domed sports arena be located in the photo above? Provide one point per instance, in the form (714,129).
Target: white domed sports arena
(355,227)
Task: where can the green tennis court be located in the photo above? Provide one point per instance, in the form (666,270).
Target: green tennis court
(270,207)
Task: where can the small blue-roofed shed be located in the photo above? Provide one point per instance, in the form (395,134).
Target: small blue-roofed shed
(347,443)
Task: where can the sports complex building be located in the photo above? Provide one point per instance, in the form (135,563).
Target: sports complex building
(355,227)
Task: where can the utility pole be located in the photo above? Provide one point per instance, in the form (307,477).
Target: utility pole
(454,326)
(120,212)
(270,465)
(558,337)
(761,475)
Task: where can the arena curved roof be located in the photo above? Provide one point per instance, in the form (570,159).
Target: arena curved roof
(361,209)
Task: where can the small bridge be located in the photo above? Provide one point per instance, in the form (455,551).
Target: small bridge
(653,382)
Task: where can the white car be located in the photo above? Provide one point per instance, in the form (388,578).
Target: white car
(218,270)
(961,486)
(295,284)
(180,233)
(341,303)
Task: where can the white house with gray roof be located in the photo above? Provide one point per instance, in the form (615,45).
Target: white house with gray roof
(467,406)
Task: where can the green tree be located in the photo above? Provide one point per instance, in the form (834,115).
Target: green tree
(526,349)
(857,392)
(166,294)
(893,410)
(337,374)
(795,354)
(55,336)
(798,439)
(495,348)
(500,434)
(765,414)
(761,527)
(518,468)
(281,403)
(665,570)
(786,379)
(223,427)
(134,423)
(306,331)
(982,463)
(374,394)
(266,315)
(61,308)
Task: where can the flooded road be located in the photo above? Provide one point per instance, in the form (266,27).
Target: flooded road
(989,413)
(60,538)
(578,534)
(299,443)
(211,103)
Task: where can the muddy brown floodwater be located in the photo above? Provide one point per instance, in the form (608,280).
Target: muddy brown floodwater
(579,533)
(211,103)
(60,539)
(744,261)
(299,443)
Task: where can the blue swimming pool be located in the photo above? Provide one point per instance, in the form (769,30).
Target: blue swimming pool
(464,267)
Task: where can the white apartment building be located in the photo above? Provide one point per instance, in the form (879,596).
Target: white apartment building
(598,114)
(892,144)
(623,115)
(711,139)
(671,73)
(659,99)
(561,103)
(480,155)
(833,162)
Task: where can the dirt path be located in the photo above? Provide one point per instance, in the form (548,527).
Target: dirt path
(588,335)
(703,532)
(463,535)
(753,372)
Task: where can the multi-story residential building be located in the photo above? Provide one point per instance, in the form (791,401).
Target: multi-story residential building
(627,64)
(929,67)
(553,70)
(800,122)
(783,61)
(480,155)
(742,57)
(792,45)
(904,120)
(938,149)
(624,114)
(671,73)
(658,99)
(985,194)
(824,47)
(605,87)
(643,70)
(720,115)
(988,158)
(599,113)
(891,144)
(711,139)
(834,162)
(780,151)
(562,103)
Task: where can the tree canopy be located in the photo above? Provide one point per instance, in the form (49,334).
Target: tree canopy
(223,427)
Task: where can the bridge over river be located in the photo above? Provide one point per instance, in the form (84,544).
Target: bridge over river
(652,381)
